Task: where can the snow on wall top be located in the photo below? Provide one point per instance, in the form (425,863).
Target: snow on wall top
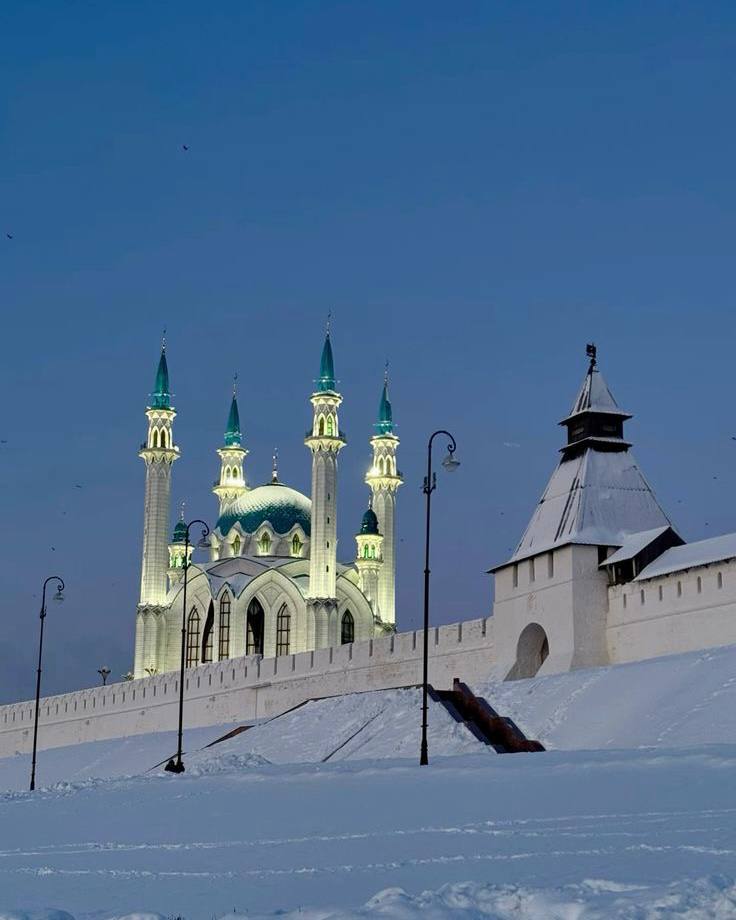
(597,498)
(703,552)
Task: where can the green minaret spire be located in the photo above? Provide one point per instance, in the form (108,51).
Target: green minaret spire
(161,394)
(233,435)
(326,379)
(385,423)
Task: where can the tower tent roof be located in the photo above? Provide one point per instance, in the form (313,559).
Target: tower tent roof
(597,494)
(326,379)
(595,396)
(233,434)
(161,394)
(598,498)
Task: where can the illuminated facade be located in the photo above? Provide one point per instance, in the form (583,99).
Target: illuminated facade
(273,585)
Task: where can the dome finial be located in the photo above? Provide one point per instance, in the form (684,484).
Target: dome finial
(181,511)
(275,465)
(163,340)
(235,384)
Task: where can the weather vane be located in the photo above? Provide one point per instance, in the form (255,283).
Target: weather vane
(591,352)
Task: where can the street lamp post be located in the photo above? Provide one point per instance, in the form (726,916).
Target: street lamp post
(176,765)
(430,484)
(59,596)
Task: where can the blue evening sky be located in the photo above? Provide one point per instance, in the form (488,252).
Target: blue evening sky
(475,189)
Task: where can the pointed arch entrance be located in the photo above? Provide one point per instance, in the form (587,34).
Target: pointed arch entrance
(254,628)
(532,650)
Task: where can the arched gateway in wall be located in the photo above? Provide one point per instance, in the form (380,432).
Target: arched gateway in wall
(531,651)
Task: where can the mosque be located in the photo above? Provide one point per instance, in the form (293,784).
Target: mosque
(273,585)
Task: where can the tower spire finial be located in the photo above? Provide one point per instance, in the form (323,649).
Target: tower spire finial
(591,352)
(163,340)
(235,384)
(181,511)
(329,322)
(275,465)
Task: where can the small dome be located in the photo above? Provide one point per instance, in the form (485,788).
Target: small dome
(369,523)
(280,505)
(180,532)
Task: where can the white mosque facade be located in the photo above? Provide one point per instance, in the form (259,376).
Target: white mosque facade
(273,586)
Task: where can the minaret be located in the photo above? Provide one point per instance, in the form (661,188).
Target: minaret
(369,558)
(325,441)
(177,549)
(384,479)
(158,453)
(232,474)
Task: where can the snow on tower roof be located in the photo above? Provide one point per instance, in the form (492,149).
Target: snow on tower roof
(634,544)
(594,396)
(597,498)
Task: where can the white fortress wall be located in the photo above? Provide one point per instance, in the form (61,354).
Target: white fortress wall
(247,688)
(678,612)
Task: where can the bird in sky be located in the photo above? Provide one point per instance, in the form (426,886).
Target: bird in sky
(9,236)
(184,147)
(77,486)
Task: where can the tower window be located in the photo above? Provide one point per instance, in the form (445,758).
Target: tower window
(163,438)
(720,579)
(209,638)
(236,545)
(283,631)
(330,426)
(660,592)
(679,589)
(624,601)
(264,544)
(551,564)
(296,545)
(532,573)
(700,584)
(321,428)
(347,628)
(223,650)
(515,575)
(254,628)
(641,596)
(154,439)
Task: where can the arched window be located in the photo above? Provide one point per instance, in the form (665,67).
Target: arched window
(154,438)
(264,544)
(347,630)
(296,545)
(236,546)
(208,640)
(321,428)
(223,650)
(227,472)
(381,466)
(164,442)
(254,629)
(365,551)
(330,426)
(373,552)
(283,631)
(193,639)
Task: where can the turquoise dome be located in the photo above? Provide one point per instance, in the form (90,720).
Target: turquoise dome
(276,503)
(180,533)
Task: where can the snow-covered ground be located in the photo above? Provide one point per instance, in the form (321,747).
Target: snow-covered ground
(325,813)
(602,829)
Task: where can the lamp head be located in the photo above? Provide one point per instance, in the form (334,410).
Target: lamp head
(59,596)
(450,463)
(204,543)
